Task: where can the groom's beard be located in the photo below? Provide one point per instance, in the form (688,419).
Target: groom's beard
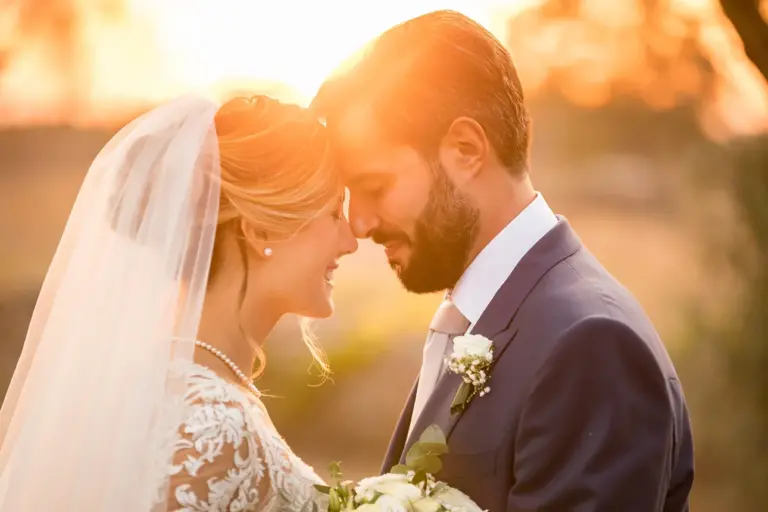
(443,237)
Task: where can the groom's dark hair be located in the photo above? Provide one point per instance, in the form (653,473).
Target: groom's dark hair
(420,75)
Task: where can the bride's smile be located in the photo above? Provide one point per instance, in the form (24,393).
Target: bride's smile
(329,273)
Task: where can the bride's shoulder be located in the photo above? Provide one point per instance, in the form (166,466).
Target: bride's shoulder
(214,407)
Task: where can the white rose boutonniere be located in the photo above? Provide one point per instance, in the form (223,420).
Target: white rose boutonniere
(471,358)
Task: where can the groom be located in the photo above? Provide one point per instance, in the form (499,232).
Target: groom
(585,411)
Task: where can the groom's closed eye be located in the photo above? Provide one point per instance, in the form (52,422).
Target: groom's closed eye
(374,192)
(372,185)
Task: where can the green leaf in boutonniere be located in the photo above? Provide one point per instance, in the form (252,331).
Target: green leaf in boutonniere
(462,398)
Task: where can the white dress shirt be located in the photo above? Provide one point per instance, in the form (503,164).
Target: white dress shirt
(491,268)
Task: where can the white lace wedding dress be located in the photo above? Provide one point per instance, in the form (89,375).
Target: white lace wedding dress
(230,457)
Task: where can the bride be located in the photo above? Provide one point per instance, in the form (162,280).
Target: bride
(196,229)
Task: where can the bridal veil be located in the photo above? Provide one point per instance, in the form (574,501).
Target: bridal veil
(87,423)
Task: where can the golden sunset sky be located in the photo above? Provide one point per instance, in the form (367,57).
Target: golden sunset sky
(124,55)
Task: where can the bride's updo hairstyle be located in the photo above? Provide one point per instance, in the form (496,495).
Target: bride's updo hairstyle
(276,177)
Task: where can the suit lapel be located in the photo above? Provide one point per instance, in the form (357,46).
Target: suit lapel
(496,323)
(437,410)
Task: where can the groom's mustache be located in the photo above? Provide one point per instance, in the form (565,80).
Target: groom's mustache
(383,236)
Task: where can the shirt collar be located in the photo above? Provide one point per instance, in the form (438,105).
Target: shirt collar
(493,265)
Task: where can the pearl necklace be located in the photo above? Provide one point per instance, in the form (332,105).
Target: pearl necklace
(248,383)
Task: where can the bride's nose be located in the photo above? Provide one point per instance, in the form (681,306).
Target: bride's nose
(348,241)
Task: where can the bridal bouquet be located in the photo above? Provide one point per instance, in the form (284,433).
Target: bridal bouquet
(409,487)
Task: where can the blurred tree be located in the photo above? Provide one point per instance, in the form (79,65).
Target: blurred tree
(724,364)
(743,341)
(752,27)
(617,59)
(54,30)
(592,51)
(625,78)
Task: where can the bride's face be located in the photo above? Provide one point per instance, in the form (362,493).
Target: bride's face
(297,277)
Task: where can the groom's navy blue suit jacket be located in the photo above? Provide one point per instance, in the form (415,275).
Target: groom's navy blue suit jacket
(585,411)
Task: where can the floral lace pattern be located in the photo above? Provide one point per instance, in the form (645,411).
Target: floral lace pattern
(229,457)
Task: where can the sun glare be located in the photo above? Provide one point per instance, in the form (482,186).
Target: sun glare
(108,64)
(155,50)
(294,42)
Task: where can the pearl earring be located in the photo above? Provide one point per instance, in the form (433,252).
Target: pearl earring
(267,251)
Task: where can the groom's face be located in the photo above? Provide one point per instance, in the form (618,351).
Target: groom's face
(407,204)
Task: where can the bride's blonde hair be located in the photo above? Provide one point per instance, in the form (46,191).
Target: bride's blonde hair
(276,176)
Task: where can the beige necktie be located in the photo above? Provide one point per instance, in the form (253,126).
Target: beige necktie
(447,323)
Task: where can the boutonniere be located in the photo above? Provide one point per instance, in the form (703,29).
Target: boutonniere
(471,358)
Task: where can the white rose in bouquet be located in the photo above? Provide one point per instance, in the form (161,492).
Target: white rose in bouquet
(391,485)
(386,504)
(408,488)
(401,499)
(456,500)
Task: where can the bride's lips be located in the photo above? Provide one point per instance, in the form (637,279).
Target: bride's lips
(329,273)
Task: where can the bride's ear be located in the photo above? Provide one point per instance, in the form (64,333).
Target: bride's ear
(256,240)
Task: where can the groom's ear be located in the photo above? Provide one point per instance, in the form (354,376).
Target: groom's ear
(464,149)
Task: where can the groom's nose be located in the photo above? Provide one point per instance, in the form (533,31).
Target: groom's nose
(362,219)
(363,227)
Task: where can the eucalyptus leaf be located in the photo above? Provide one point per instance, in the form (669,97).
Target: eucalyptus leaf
(414,455)
(415,451)
(400,469)
(432,464)
(323,488)
(425,462)
(424,455)
(422,449)
(433,448)
(432,434)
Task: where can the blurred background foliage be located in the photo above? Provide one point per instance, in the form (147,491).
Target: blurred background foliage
(650,135)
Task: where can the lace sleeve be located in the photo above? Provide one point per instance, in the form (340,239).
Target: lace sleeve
(219,462)
(228,455)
